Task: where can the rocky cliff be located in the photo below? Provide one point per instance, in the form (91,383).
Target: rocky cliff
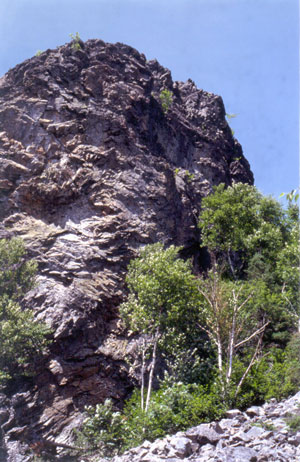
(91,169)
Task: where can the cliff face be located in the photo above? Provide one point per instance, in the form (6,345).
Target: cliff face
(91,168)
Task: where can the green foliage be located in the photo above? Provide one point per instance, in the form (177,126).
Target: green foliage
(267,379)
(166,99)
(254,238)
(102,429)
(258,243)
(292,196)
(288,269)
(189,176)
(172,408)
(161,305)
(16,273)
(22,338)
(293,421)
(38,53)
(76,40)
(267,425)
(163,293)
(233,316)
(240,219)
(190,363)
(230,116)
(293,362)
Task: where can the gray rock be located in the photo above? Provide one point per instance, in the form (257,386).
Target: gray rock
(232,413)
(157,447)
(205,433)
(240,454)
(255,432)
(241,436)
(181,447)
(255,411)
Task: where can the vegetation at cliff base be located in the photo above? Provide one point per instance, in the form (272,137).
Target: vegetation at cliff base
(228,337)
(22,338)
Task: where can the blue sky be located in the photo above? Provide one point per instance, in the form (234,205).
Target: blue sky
(244,50)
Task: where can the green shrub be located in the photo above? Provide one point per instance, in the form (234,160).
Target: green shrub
(189,176)
(269,378)
(23,339)
(75,41)
(293,421)
(293,359)
(166,99)
(171,409)
(102,429)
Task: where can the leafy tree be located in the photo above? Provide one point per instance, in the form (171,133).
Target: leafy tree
(238,224)
(246,307)
(22,338)
(288,267)
(161,304)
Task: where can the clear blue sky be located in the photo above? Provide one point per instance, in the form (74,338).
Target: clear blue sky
(244,50)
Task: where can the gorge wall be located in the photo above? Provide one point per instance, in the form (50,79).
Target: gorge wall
(91,169)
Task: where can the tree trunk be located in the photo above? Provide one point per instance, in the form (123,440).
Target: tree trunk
(231,342)
(231,265)
(152,371)
(143,374)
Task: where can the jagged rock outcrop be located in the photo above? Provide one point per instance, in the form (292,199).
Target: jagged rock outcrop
(261,434)
(91,168)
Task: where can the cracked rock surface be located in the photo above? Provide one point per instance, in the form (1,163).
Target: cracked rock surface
(91,169)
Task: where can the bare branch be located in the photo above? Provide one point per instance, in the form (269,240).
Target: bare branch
(245,301)
(206,297)
(258,331)
(258,346)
